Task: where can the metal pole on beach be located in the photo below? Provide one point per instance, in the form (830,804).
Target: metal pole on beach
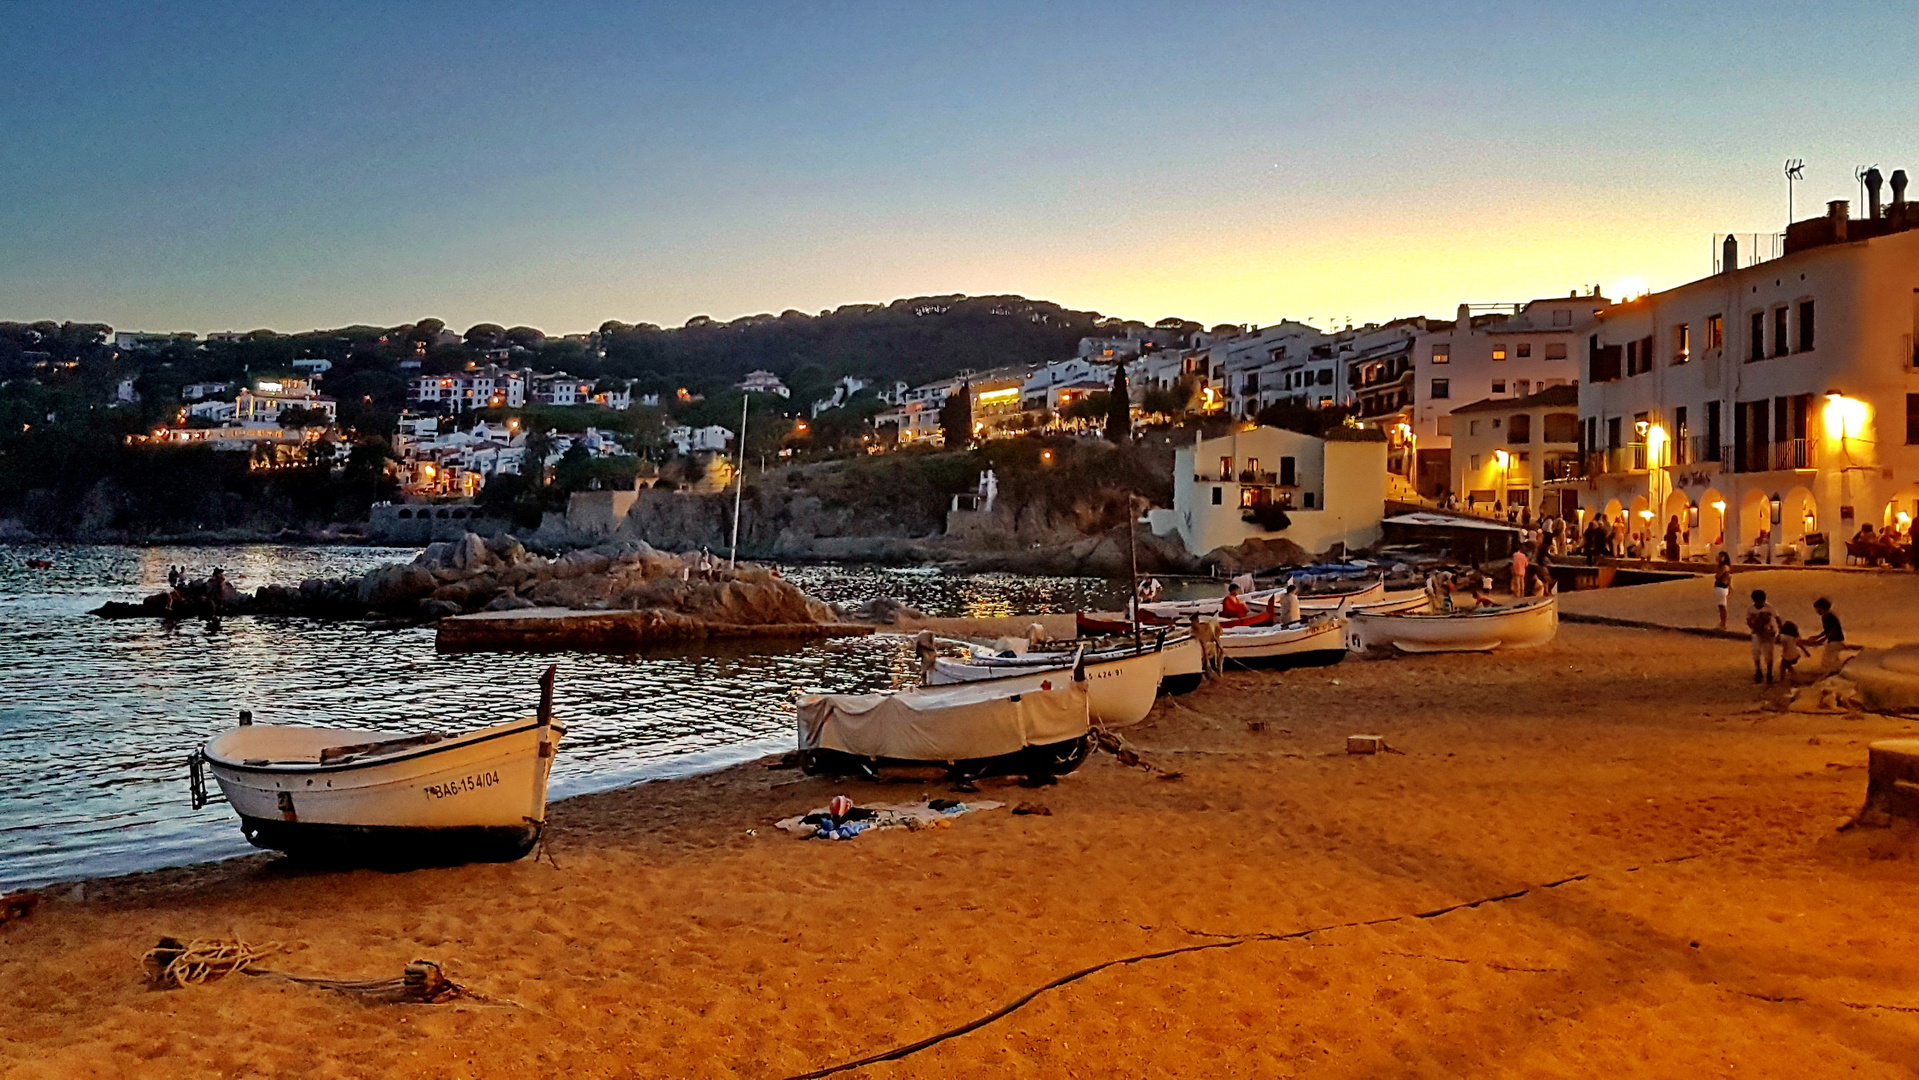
(1132,548)
(739,486)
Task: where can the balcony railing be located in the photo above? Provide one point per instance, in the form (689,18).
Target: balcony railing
(1784,456)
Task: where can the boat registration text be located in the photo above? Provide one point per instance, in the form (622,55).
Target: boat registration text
(462,785)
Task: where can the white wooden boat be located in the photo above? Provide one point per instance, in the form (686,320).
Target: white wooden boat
(1033,723)
(1514,626)
(1406,603)
(385,798)
(1169,610)
(1315,641)
(1123,683)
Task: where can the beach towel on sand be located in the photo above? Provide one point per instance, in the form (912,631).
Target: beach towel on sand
(896,816)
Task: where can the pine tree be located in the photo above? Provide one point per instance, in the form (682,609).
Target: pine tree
(956,418)
(1119,410)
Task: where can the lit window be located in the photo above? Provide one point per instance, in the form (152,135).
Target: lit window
(1681,343)
(1499,352)
(1442,354)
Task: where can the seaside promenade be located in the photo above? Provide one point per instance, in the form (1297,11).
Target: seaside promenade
(1879,608)
(1648,855)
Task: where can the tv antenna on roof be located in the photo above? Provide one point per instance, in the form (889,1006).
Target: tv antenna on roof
(1795,170)
(1859,174)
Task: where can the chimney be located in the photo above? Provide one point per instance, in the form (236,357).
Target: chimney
(1898,185)
(1729,254)
(1873,180)
(1464,320)
(1836,213)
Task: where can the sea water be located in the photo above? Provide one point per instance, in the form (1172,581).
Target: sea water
(98,717)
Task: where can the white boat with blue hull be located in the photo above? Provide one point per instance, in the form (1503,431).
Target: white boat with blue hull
(387,798)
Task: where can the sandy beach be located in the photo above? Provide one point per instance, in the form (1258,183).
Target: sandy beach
(1707,918)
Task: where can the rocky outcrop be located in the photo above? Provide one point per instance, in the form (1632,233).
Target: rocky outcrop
(500,575)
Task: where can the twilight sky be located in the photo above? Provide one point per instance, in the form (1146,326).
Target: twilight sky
(210,166)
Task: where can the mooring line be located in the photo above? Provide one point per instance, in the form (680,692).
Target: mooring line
(1229,942)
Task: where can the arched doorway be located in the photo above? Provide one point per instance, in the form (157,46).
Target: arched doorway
(1678,507)
(1712,521)
(1755,523)
(1798,519)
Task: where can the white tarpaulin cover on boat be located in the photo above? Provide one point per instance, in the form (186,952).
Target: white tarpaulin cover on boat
(947,723)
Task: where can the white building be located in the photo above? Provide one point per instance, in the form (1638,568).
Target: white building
(263,402)
(1270,364)
(686,439)
(764,382)
(214,409)
(1766,407)
(199,390)
(477,387)
(1266,483)
(614,395)
(843,392)
(1416,371)
(313,365)
(562,389)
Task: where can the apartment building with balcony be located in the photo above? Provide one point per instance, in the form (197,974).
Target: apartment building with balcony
(1506,449)
(1407,376)
(1267,483)
(1773,408)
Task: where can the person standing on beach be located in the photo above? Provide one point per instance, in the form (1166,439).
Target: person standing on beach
(1831,635)
(1672,539)
(1763,621)
(1519,573)
(1722,585)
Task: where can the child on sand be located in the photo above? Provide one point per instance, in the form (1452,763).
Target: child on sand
(1791,650)
(1763,621)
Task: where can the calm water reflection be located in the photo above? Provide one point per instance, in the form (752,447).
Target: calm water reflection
(97,717)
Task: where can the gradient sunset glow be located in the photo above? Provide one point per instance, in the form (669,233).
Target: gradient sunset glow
(215,166)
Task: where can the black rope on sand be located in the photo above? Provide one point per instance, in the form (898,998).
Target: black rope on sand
(1235,941)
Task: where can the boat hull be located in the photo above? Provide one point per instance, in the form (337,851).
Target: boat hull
(1314,644)
(391,846)
(478,795)
(1050,759)
(1522,626)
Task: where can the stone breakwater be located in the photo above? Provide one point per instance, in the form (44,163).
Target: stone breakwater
(476,574)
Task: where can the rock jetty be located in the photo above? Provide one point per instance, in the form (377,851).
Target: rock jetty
(643,593)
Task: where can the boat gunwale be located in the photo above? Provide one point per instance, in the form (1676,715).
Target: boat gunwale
(1478,613)
(301,767)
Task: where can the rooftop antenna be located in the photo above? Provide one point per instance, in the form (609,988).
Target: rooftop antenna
(1795,170)
(1859,174)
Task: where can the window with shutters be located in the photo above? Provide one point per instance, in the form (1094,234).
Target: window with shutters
(1442,389)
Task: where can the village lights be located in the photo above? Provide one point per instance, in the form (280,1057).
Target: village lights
(1776,506)
(1046,456)
(1500,456)
(1845,417)
(1719,505)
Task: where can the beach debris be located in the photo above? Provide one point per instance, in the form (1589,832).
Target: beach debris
(172,964)
(1027,809)
(840,819)
(1832,694)
(17,906)
(1892,784)
(1255,725)
(1365,744)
